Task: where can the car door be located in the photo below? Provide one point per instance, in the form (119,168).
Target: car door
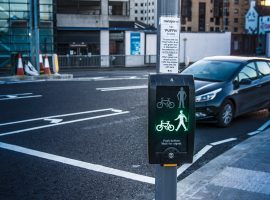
(264,78)
(247,93)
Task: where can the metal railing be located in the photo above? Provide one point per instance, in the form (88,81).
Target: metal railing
(78,61)
(71,61)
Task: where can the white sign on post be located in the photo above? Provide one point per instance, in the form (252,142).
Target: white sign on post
(169,44)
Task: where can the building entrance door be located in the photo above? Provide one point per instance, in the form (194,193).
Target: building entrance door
(79,50)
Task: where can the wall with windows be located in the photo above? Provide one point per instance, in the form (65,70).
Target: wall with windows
(146,11)
(214,15)
(16,29)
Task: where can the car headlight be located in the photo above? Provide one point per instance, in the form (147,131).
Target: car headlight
(207,96)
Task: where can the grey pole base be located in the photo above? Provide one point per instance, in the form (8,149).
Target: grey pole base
(165,184)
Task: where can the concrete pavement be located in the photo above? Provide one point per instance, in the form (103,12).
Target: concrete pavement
(34,78)
(242,173)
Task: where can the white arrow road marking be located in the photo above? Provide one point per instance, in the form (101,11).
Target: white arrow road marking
(11,96)
(56,116)
(122,88)
(21,94)
(54,121)
(18,96)
(77,163)
(63,123)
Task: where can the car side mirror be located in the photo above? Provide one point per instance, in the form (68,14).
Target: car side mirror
(245,81)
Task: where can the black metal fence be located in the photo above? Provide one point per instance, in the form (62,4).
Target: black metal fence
(71,61)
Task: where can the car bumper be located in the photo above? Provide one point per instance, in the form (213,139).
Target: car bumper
(207,111)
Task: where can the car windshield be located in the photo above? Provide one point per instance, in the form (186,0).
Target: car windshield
(212,70)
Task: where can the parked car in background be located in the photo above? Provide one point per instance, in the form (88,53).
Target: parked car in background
(229,86)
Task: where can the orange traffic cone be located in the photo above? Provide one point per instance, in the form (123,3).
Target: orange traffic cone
(41,66)
(47,66)
(20,71)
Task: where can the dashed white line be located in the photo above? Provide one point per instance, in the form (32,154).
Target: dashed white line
(122,88)
(223,141)
(80,164)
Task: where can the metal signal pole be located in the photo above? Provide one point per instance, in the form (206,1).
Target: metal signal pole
(168,39)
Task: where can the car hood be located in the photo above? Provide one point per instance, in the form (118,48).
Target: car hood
(202,87)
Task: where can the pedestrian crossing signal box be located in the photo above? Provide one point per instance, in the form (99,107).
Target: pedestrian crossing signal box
(171,118)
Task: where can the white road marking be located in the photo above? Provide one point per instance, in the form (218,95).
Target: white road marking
(18,96)
(107,78)
(62,123)
(54,121)
(122,88)
(80,164)
(57,116)
(18,82)
(13,97)
(253,133)
(263,127)
(21,94)
(120,78)
(184,167)
(223,141)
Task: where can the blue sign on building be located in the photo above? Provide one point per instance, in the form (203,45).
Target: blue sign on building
(135,43)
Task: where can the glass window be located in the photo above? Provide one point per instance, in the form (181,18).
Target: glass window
(19,15)
(19,39)
(19,31)
(263,68)
(3,24)
(45,1)
(20,47)
(4,15)
(45,31)
(4,39)
(46,16)
(18,23)
(248,72)
(46,8)
(18,1)
(4,6)
(18,7)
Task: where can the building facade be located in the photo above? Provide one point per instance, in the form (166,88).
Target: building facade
(17,31)
(84,26)
(214,15)
(146,11)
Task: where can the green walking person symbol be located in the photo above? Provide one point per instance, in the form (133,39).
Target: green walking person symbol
(182,119)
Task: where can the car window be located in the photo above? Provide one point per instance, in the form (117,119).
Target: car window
(248,72)
(212,70)
(263,68)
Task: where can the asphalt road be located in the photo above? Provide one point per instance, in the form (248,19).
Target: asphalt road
(80,139)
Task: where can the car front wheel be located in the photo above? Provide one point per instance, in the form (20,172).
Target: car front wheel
(226,114)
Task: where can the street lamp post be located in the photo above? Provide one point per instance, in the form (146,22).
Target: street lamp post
(36,33)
